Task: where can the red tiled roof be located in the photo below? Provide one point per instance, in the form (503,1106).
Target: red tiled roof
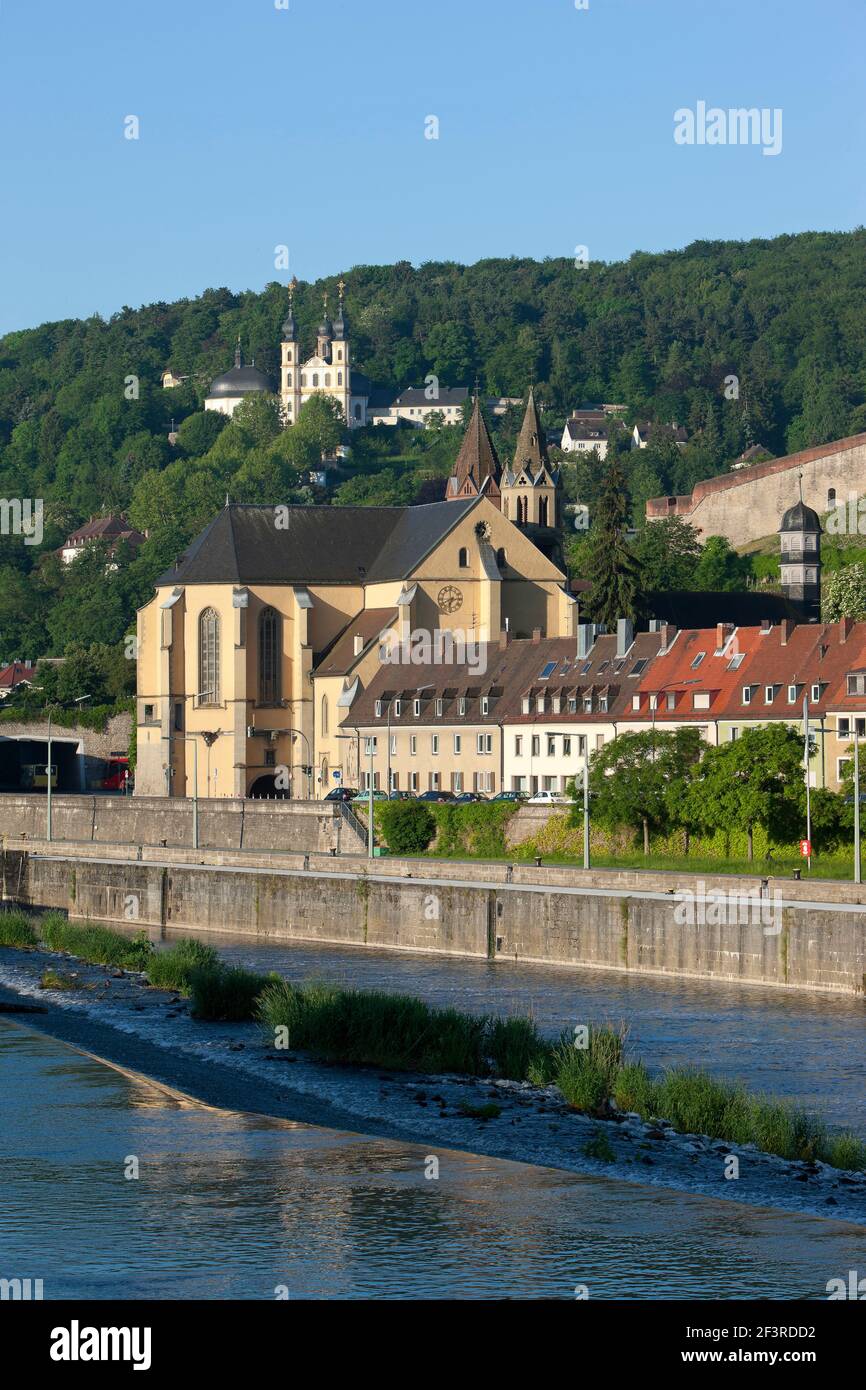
(14,674)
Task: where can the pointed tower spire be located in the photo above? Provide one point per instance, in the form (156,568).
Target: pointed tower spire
(290,328)
(477,465)
(531,449)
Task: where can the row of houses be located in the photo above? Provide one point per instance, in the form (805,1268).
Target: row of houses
(586,430)
(526,714)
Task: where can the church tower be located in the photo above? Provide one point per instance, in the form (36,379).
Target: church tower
(341,360)
(800,540)
(530,488)
(290,366)
(476,468)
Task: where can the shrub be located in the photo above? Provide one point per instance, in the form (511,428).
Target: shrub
(846,1151)
(513,1045)
(586,1076)
(408,826)
(224,992)
(94,943)
(635,1090)
(16,929)
(171,969)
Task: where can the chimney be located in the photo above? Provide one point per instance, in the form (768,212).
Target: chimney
(845,627)
(766,624)
(359,644)
(668,633)
(503,639)
(584,639)
(536,636)
(787,627)
(624,635)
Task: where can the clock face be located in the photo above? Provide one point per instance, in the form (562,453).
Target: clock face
(449,599)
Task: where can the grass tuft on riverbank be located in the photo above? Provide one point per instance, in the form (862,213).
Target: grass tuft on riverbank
(403,1033)
(17,930)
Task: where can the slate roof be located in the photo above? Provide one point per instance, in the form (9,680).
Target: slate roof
(336,545)
(477,462)
(339,658)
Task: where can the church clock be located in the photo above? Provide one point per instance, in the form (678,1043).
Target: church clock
(449,599)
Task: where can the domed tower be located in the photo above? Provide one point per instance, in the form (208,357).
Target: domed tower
(228,390)
(800,540)
(324,335)
(290,366)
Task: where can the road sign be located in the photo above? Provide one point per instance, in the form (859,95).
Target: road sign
(806,849)
(336,774)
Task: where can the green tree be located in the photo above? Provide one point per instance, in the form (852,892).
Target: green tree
(668,552)
(408,826)
(845,594)
(754,780)
(638,780)
(612,566)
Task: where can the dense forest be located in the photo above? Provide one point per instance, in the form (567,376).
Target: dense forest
(85,422)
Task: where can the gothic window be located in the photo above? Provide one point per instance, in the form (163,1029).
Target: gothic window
(209,657)
(831,497)
(324,716)
(269,657)
(500,557)
(315,378)
(288,378)
(463,557)
(542,511)
(521,510)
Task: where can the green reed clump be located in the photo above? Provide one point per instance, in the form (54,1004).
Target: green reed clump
(586,1075)
(172,968)
(514,1046)
(95,943)
(635,1090)
(372,1028)
(52,979)
(225,993)
(16,929)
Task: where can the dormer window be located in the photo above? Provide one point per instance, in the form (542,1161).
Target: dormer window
(461,705)
(769,694)
(416,707)
(572,704)
(635,702)
(398,706)
(792,694)
(857,684)
(378,709)
(526,704)
(587,704)
(747,694)
(539,704)
(439,707)
(816,692)
(485,705)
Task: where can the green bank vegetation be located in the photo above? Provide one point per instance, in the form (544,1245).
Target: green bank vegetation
(402,1033)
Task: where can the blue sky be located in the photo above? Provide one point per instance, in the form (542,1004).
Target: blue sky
(262,126)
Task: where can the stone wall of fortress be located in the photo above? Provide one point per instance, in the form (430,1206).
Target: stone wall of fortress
(749,503)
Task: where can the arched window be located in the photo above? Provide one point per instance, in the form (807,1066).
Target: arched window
(209,657)
(339,354)
(463,557)
(500,557)
(324,716)
(542,511)
(288,378)
(315,378)
(327,378)
(270,645)
(339,378)
(357,412)
(521,510)
(831,497)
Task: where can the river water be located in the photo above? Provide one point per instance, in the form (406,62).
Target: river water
(809,1046)
(230,1205)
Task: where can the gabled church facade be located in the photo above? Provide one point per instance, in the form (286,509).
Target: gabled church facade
(328,372)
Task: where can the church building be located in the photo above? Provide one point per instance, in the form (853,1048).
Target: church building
(328,372)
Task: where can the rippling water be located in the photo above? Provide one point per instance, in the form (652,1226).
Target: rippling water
(233,1206)
(809,1046)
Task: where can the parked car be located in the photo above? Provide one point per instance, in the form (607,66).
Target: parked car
(549,799)
(509,796)
(465,797)
(436,796)
(342,794)
(401,796)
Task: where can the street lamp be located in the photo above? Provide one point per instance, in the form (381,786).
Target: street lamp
(79,700)
(857,873)
(299,733)
(348,738)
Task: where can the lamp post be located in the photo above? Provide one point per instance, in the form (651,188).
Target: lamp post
(806,774)
(299,733)
(188,738)
(586,805)
(857,873)
(79,700)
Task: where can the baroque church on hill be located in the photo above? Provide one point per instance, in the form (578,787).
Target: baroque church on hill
(528,493)
(328,372)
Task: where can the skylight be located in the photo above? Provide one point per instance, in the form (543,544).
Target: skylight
(697,661)
(547,670)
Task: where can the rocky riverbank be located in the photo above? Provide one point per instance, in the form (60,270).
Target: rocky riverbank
(114,1015)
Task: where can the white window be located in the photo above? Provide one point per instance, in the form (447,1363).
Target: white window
(485,705)
(769,694)
(572,704)
(735,734)
(413,744)
(551,746)
(461,705)
(842,765)
(370,745)
(457,782)
(393,744)
(416,708)
(747,694)
(566,747)
(857,685)
(434,745)
(702,699)
(518,746)
(398,705)
(439,706)
(602,704)
(484,743)
(378,709)
(526,704)
(635,702)
(792,694)
(536,744)
(434,781)
(843,727)
(413,781)
(458,743)
(539,704)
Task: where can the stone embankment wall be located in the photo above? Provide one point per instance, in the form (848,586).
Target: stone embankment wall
(807,936)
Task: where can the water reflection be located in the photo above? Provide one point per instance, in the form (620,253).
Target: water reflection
(231,1205)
